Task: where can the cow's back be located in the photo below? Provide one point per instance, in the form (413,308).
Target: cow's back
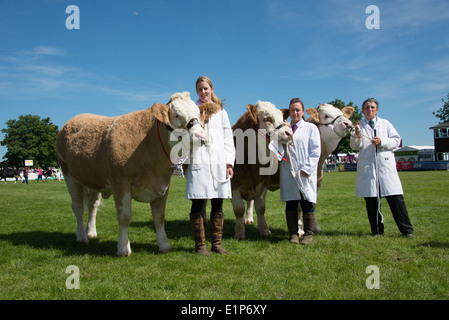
(94,149)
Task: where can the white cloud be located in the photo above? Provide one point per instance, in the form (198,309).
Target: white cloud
(48,51)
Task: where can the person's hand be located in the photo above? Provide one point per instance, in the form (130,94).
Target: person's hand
(375,141)
(229,171)
(358,132)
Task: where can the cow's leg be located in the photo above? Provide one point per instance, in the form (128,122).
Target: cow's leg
(158,212)
(77,193)
(239,210)
(249,218)
(124,216)
(93,201)
(259,205)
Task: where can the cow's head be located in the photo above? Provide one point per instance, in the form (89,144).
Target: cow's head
(266,116)
(331,120)
(181,113)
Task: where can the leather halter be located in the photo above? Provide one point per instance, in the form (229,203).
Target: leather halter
(189,126)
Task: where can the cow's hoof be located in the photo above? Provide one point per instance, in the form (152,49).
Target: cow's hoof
(123,253)
(249,221)
(239,236)
(84,241)
(265,233)
(124,250)
(92,236)
(165,248)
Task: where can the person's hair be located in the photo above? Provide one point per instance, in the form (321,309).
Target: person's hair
(370,100)
(215,99)
(296,100)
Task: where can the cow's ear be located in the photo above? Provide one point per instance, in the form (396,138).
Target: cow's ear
(161,112)
(252,112)
(207,110)
(314,116)
(347,111)
(285,113)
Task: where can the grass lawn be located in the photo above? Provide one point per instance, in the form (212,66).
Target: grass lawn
(38,243)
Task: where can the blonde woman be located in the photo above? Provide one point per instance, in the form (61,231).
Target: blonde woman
(210,170)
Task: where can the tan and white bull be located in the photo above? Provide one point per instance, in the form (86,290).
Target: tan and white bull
(255,166)
(127,156)
(333,125)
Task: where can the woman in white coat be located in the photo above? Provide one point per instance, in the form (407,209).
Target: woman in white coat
(377,177)
(209,172)
(298,176)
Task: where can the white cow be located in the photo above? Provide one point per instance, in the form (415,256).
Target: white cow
(333,124)
(127,156)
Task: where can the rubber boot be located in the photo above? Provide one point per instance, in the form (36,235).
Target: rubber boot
(197,224)
(292,226)
(216,232)
(309,227)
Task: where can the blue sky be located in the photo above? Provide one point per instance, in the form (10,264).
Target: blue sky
(130,54)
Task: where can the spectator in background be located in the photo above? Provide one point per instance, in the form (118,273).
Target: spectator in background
(25,175)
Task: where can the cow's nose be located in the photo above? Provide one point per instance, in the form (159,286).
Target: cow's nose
(200,136)
(289,136)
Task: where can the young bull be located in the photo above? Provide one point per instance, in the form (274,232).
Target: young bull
(333,124)
(127,156)
(255,165)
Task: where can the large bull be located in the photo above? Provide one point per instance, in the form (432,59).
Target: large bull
(333,125)
(127,156)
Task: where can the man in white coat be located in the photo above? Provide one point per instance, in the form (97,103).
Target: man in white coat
(209,172)
(298,175)
(377,177)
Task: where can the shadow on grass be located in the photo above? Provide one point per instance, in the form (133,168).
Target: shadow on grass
(67,245)
(181,228)
(435,244)
(176,230)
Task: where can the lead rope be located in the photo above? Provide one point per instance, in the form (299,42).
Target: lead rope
(377,182)
(177,166)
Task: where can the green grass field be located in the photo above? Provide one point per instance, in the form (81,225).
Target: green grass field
(38,233)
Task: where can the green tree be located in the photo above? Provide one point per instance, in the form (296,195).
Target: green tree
(343,146)
(30,138)
(443,112)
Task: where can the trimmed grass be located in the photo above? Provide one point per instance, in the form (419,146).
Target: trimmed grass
(38,243)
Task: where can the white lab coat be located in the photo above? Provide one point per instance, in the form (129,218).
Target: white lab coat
(215,155)
(304,155)
(383,158)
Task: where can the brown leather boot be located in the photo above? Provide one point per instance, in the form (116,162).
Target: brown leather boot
(292,226)
(197,224)
(309,227)
(216,232)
